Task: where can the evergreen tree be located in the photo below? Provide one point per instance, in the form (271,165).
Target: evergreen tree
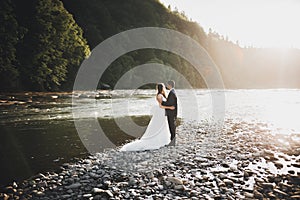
(55,45)
(8,39)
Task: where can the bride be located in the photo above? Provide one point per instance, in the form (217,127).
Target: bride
(157,133)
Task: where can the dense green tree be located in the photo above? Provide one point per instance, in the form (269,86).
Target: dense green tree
(53,48)
(43,43)
(9,36)
(101,19)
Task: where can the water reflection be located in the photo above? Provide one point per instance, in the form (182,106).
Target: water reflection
(38,146)
(38,134)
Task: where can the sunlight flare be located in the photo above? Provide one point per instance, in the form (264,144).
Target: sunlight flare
(253,23)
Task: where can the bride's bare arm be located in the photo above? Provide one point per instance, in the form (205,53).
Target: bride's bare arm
(167,107)
(160,100)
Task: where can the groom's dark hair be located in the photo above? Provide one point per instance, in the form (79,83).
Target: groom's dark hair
(172,83)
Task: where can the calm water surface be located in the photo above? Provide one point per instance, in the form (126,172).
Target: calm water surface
(40,135)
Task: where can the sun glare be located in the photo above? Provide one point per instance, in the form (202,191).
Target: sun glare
(253,23)
(280,110)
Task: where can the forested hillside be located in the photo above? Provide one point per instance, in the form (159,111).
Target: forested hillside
(252,67)
(43,43)
(102,19)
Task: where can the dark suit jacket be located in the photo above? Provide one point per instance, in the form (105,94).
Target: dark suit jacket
(171,101)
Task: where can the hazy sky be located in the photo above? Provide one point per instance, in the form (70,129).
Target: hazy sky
(261,23)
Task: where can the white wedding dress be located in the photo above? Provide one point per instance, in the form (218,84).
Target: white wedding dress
(156,135)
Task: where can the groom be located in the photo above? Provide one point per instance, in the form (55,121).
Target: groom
(171,114)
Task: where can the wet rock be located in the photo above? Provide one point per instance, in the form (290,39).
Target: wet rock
(257,194)
(259,180)
(194,193)
(247,189)
(66,196)
(150,175)
(228,182)
(40,194)
(167,183)
(70,191)
(106,183)
(285,187)
(100,172)
(104,192)
(279,165)
(222,176)
(248,195)
(229,190)
(87,195)
(234,169)
(15,185)
(248,173)
(175,180)
(132,181)
(10,190)
(179,187)
(297,165)
(185,181)
(73,186)
(160,187)
(276,179)
(291,171)
(42,184)
(152,184)
(271,195)
(267,186)
(148,191)
(281,193)
(225,165)
(294,179)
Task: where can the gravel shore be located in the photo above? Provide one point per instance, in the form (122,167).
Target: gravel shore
(243,161)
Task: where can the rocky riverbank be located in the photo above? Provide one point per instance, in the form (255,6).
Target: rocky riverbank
(243,161)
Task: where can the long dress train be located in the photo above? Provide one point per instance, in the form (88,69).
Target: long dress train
(156,135)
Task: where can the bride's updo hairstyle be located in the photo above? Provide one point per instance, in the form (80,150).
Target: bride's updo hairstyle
(160,89)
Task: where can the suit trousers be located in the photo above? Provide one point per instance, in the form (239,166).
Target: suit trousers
(172,127)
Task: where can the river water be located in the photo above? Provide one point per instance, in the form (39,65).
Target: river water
(38,134)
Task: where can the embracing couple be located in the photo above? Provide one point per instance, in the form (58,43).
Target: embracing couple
(162,127)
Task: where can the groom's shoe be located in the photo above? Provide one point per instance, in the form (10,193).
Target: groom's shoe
(172,143)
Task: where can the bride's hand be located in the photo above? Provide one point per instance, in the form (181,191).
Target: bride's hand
(172,107)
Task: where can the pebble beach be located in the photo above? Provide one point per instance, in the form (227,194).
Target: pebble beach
(242,161)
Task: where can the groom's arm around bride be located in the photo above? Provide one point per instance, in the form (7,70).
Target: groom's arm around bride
(171,114)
